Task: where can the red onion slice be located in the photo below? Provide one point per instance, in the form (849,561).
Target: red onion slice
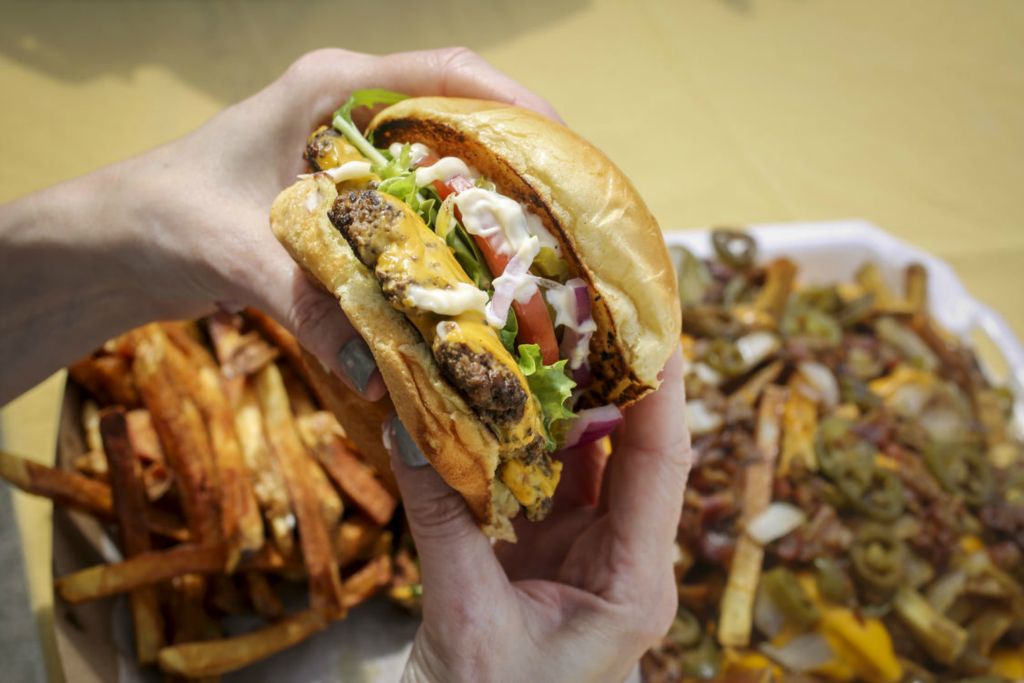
(593,424)
(460,183)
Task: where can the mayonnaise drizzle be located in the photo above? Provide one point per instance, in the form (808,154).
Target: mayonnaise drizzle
(417,151)
(443,169)
(460,298)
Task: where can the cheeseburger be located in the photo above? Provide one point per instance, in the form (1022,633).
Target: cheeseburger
(511,283)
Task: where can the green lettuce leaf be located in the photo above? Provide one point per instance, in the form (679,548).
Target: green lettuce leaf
(509,333)
(342,122)
(550,384)
(468,256)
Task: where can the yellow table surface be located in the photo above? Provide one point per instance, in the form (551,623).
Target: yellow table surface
(910,114)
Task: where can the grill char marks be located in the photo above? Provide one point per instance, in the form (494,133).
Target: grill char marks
(488,386)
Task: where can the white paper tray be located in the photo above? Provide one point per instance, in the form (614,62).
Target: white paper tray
(371,645)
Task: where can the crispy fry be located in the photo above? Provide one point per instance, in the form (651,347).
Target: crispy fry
(78,492)
(92,464)
(355,479)
(216,657)
(91,426)
(239,354)
(279,337)
(268,480)
(799,422)
(183,435)
(780,275)
(241,527)
(145,569)
(324,584)
(363,584)
(915,284)
(299,396)
(752,388)
(355,540)
(130,509)
(738,600)
(143,436)
(108,378)
(262,597)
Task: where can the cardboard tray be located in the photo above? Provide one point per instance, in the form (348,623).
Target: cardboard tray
(372,644)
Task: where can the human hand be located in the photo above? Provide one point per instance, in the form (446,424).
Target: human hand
(210,192)
(582,594)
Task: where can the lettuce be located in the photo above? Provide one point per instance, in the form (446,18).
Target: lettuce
(550,385)
(509,333)
(468,256)
(342,121)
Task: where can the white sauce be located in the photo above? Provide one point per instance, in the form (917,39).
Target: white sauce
(491,215)
(350,170)
(417,151)
(459,299)
(444,169)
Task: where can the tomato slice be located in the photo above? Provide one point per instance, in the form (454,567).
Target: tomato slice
(535,326)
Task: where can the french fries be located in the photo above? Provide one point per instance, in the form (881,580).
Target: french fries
(130,508)
(223,479)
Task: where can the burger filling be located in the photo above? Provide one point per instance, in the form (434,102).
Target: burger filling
(480,278)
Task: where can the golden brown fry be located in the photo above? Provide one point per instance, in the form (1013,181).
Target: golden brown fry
(193,369)
(183,435)
(279,337)
(299,396)
(143,436)
(108,378)
(799,423)
(146,569)
(268,480)
(78,492)
(93,464)
(239,354)
(355,479)
(262,597)
(91,426)
(750,392)
(216,657)
(780,275)
(363,584)
(354,540)
(225,595)
(737,604)
(324,583)
(130,510)
(915,285)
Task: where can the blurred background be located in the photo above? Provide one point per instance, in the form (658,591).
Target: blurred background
(909,114)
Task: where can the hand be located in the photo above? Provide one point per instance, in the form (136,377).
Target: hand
(172,232)
(584,593)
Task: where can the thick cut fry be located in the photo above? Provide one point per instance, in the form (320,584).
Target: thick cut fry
(363,584)
(192,368)
(217,657)
(148,568)
(183,435)
(737,604)
(143,436)
(79,492)
(915,284)
(354,540)
(108,378)
(780,275)
(299,396)
(324,584)
(130,510)
(799,423)
(268,480)
(239,354)
(262,597)
(91,426)
(355,479)
(753,387)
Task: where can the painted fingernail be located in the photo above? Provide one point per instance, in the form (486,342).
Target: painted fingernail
(357,363)
(406,449)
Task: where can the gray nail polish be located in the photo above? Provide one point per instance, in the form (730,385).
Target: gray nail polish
(357,363)
(408,451)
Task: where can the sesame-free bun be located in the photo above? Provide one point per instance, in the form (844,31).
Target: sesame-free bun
(607,234)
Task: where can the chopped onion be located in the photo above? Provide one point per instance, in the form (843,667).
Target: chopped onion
(460,183)
(802,654)
(757,346)
(820,380)
(701,420)
(592,424)
(514,284)
(777,520)
(707,374)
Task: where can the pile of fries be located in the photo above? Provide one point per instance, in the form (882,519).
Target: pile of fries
(856,510)
(225,482)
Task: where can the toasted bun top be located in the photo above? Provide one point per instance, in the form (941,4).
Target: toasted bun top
(584,200)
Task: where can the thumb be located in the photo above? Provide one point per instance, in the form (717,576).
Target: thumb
(455,555)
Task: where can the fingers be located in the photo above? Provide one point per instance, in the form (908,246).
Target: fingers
(317,321)
(455,555)
(328,76)
(646,474)
(582,472)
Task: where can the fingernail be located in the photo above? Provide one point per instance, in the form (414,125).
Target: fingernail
(357,363)
(396,437)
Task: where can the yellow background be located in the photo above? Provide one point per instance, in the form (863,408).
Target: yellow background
(908,113)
